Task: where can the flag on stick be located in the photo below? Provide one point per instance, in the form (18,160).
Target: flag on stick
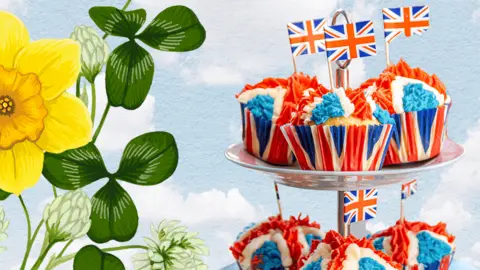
(409,189)
(360,205)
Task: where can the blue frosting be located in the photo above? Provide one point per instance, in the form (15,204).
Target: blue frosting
(369,264)
(329,108)
(261,106)
(416,98)
(431,249)
(316,265)
(248,227)
(378,243)
(311,237)
(269,256)
(383,116)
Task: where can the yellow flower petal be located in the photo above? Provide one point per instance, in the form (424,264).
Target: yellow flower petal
(13,37)
(20,167)
(55,62)
(67,125)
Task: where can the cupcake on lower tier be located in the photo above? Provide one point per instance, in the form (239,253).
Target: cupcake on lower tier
(339,131)
(275,244)
(417,245)
(265,107)
(419,105)
(338,253)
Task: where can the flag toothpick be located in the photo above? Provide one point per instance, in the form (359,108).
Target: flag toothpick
(279,204)
(359,205)
(408,189)
(407,20)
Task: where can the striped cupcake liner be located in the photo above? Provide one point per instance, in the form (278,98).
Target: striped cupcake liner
(339,148)
(264,139)
(417,136)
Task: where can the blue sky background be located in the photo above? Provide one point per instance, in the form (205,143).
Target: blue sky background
(192,97)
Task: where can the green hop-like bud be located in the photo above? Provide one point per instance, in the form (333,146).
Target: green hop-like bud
(68,216)
(94,51)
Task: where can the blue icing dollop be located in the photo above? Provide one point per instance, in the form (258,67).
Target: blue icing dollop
(261,106)
(431,249)
(248,227)
(311,237)
(383,116)
(315,265)
(416,98)
(369,264)
(329,108)
(269,256)
(378,243)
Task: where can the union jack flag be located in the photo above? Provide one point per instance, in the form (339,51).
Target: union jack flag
(409,189)
(408,20)
(348,41)
(360,205)
(307,37)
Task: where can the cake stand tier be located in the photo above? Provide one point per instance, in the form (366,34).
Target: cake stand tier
(294,176)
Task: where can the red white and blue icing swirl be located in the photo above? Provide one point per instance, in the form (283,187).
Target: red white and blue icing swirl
(335,252)
(276,99)
(275,243)
(415,244)
(401,88)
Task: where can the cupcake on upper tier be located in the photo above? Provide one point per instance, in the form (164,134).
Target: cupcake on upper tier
(417,245)
(338,131)
(265,107)
(419,105)
(338,253)
(275,244)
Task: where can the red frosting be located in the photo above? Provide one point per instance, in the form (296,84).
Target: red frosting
(399,241)
(290,234)
(383,94)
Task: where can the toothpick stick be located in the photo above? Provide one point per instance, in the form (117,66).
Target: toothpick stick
(330,73)
(387,52)
(294,64)
(402,210)
(278,201)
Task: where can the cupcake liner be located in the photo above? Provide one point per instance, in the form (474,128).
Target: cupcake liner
(264,139)
(418,135)
(443,264)
(339,148)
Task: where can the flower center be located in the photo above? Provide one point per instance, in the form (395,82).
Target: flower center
(7,106)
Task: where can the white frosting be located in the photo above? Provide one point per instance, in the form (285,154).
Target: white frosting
(323,251)
(413,249)
(255,244)
(276,93)
(302,232)
(347,105)
(354,254)
(387,246)
(372,103)
(397,92)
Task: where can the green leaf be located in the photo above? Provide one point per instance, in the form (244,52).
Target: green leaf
(129,75)
(116,22)
(176,29)
(149,159)
(4,195)
(92,258)
(74,168)
(114,215)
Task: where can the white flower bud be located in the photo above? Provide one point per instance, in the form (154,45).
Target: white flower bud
(94,51)
(68,216)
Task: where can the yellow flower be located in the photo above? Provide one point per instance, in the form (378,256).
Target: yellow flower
(35,113)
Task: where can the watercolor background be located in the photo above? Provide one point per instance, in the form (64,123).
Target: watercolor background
(192,97)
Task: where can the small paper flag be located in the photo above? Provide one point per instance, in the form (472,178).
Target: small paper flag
(409,189)
(407,20)
(307,37)
(360,205)
(349,41)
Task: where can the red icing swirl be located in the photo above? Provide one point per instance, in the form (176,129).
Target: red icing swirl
(400,242)
(289,229)
(362,108)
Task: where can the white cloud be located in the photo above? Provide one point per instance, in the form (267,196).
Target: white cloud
(194,208)
(374,226)
(476,15)
(476,248)
(11,5)
(451,212)
(121,125)
(217,75)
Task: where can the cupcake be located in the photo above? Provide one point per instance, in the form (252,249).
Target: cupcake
(265,107)
(336,252)
(338,131)
(417,245)
(419,105)
(275,243)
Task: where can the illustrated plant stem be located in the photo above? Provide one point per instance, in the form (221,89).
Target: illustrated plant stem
(94,101)
(27,251)
(102,121)
(60,260)
(78,86)
(54,191)
(64,248)
(42,256)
